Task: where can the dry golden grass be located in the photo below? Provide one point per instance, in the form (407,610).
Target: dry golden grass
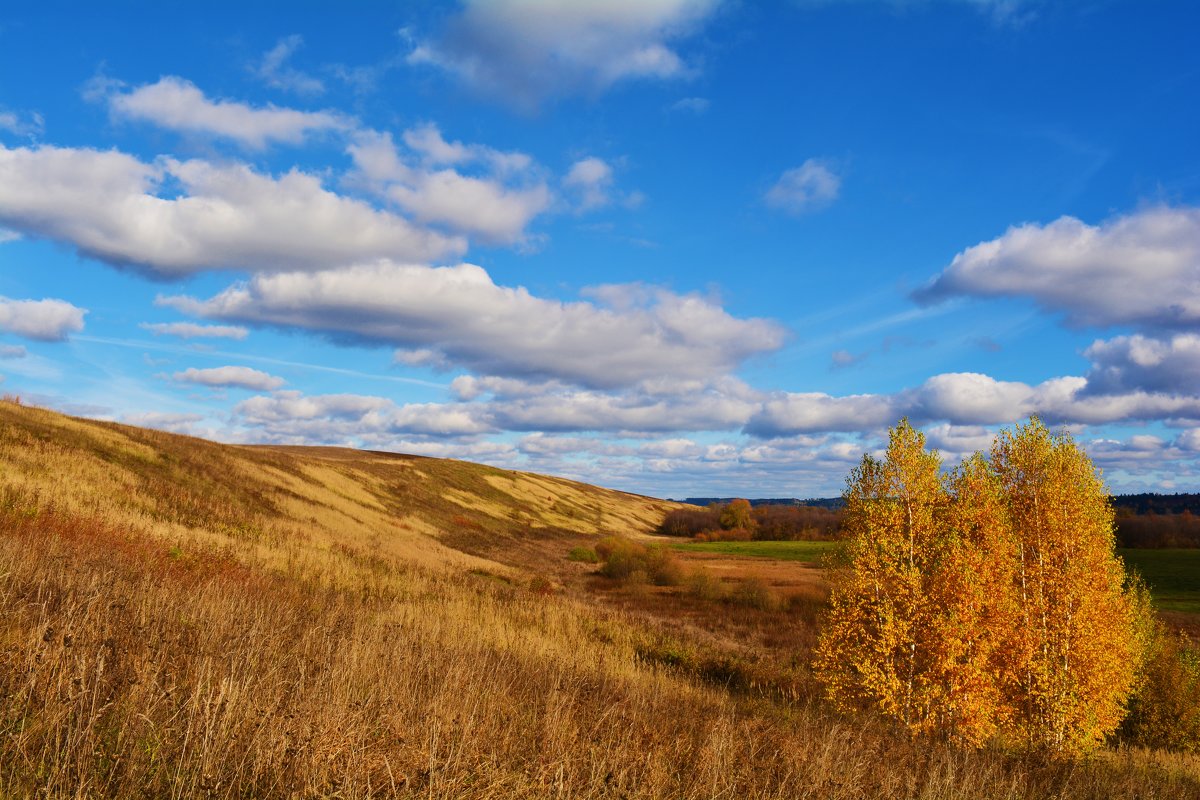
(184,619)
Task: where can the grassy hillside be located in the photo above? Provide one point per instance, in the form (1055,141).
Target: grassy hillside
(182,618)
(306,508)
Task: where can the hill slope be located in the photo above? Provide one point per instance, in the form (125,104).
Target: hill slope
(180,618)
(313,506)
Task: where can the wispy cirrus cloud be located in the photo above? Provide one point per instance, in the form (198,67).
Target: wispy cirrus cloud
(691,105)
(809,187)
(193,330)
(1004,13)
(26,124)
(274,69)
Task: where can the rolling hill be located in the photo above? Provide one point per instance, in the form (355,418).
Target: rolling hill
(190,619)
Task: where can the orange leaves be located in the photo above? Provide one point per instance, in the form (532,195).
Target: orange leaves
(985,603)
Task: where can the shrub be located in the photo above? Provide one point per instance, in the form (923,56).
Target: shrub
(755,593)
(719,535)
(703,586)
(541,585)
(585,555)
(1165,712)
(664,568)
(633,562)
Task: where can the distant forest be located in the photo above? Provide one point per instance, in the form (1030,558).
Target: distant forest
(1143,520)
(1149,503)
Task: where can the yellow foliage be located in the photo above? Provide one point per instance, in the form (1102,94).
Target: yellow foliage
(986,602)
(1075,657)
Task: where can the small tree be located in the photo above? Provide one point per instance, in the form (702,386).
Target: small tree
(737,514)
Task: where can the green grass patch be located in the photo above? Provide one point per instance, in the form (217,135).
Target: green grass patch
(584,554)
(780,551)
(1173,576)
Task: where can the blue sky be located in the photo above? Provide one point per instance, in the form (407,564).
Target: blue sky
(680,247)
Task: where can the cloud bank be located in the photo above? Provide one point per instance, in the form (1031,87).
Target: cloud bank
(458,315)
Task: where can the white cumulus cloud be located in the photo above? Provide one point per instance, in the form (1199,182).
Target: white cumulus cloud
(1142,269)
(343,418)
(496,205)
(528,50)
(179,105)
(227,216)
(173,422)
(230,377)
(44,320)
(967,399)
(1137,362)
(591,180)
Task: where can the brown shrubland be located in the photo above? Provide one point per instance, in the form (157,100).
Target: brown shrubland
(185,619)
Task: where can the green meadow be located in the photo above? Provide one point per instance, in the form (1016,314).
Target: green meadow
(1173,576)
(781,551)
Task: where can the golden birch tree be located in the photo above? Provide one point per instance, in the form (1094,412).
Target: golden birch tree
(972,588)
(988,602)
(881,646)
(1071,665)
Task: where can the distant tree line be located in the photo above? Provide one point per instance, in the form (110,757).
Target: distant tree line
(1142,520)
(822,502)
(740,520)
(1157,529)
(1151,503)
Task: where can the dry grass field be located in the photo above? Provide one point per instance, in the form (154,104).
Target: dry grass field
(180,618)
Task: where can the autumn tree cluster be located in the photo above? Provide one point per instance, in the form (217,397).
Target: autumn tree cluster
(739,520)
(985,603)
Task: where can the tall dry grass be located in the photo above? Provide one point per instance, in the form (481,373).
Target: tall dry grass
(141,664)
(131,669)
